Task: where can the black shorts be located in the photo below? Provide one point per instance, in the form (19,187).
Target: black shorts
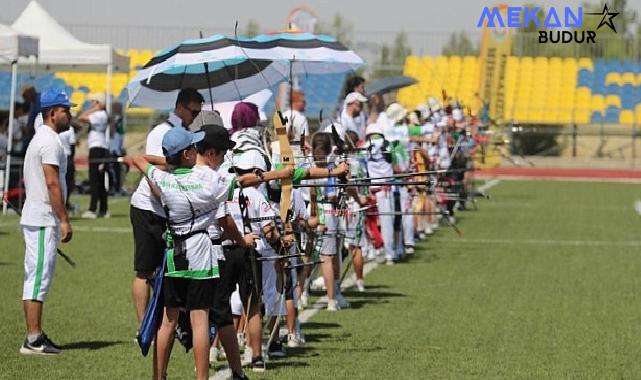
(238,261)
(149,245)
(189,293)
(221,311)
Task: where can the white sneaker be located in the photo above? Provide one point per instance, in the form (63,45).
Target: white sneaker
(318,284)
(304,301)
(422,235)
(241,341)
(360,286)
(247,357)
(428,229)
(409,250)
(332,306)
(106,215)
(637,207)
(293,341)
(451,219)
(214,354)
(89,215)
(389,262)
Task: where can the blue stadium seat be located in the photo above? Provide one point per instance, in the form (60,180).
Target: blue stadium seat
(597,117)
(612,115)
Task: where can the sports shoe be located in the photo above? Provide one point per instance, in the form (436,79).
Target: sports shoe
(241,376)
(105,215)
(247,357)
(428,229)
(41,346)
(293,341)
(241,341)
(451,219)
(422,235)
(214,354)
(332,306)
(409,250)
(360,285)
(258,364)
(389,262)
(318,284)
(341,301)
(276,350)
(304,301)
(89,215)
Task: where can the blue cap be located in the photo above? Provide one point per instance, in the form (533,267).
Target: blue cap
(177,139)
(52,97)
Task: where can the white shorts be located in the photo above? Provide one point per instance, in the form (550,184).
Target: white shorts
(41,244)
(274,303)
(328,243)
(236,303)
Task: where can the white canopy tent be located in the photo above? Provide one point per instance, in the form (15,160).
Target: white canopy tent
(13,45)
(59,50)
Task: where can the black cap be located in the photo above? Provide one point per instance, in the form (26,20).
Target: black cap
(217,137)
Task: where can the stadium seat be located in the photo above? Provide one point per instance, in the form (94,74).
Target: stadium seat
(626,117)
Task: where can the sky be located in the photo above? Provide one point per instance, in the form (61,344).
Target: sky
(138,22)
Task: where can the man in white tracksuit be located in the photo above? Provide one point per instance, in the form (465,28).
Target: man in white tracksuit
(44,216)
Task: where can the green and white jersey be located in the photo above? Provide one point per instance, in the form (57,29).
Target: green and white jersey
(191,198)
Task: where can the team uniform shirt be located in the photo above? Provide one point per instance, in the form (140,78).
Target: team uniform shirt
(257,207)
(377,165)
(67,139)
(443,151)
(191,198)
(142,198)
(45,148)
(98,124)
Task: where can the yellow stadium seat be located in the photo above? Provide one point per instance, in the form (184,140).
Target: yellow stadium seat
(612,100)
(597,103)
(581,117)
(626,117)
(613,78)
(628,78)
(586,63)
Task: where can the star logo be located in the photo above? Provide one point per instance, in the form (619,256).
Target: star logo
(606,19)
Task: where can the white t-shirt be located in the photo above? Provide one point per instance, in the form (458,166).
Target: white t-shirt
(298,121)
(377,166)
(142,198)
(353,124)
(98,124)
(192,197)
(44,148)
(257,207)
(67,139)
(16,136)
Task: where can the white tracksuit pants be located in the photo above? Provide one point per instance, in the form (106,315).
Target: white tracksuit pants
(385,204)
(408,220)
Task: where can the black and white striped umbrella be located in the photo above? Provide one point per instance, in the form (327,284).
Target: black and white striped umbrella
(233,68)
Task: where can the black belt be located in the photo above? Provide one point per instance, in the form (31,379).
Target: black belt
(216,242)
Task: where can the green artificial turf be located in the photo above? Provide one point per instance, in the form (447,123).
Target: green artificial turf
(544,284)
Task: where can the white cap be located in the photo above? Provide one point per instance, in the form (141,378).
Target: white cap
(424,109)
(98,96)
(457,114)
(396,112)
(251,159)
(373,129)
(355,97)
(339,129)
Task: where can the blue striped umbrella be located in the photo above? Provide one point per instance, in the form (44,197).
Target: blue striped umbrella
(233,68)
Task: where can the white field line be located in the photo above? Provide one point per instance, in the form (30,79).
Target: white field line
(305,315)
(120,230)
(488,185)
(569,243)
